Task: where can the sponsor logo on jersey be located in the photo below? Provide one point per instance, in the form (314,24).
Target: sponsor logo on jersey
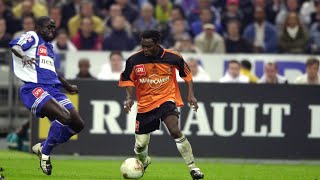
(37,92)
(154,80)
(42,50)
(140,70)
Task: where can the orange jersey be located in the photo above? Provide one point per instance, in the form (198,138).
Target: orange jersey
(155,78)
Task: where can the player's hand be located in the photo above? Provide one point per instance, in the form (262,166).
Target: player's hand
(72,89)
(193,102)
(26,60)
(128,104)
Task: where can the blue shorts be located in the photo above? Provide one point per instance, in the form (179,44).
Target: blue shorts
(34,96)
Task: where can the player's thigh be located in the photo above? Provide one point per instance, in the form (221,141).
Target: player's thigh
(76,122)
(170,116)
(55,111)
(39,100)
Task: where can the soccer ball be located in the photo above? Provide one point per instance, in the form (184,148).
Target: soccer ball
(132,168)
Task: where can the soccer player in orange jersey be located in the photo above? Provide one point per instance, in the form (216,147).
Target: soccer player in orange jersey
(152,71)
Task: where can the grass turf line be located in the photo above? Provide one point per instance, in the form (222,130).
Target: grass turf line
(18,165)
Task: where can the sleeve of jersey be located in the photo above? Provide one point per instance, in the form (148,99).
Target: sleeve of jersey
(26,40)
(127,76)
(184,70)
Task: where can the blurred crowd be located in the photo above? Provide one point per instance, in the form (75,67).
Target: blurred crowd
(199,26)
(193,26)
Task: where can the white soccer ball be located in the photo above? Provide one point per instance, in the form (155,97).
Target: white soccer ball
(132,168)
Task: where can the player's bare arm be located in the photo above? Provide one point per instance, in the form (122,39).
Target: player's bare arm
(191,99)
(129,100)
(72,89)
(26,60)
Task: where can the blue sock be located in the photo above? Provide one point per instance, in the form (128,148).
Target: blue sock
(58,134)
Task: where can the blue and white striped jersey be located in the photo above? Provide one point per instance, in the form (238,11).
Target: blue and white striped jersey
(35,47)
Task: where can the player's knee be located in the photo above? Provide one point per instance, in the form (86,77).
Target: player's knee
(80,126)
(175,132)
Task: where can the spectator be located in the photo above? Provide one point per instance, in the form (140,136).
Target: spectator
(306,10)
(28,24)
(112,69)
(119,39)
(84,69)
(232,13)
(293,38)
(262,34)
(198,73)
(177,31)
(86,10)
(206,17)
(314,38)
(246,71)
(29,7)
(291,6)
(184,44)
(205,4)
(209,41)
(86,38)
(63,43)
(233,75)
(70,9)
(315,16)
(55,14)
(312,73)
(5,38)
(163,11)
(6,14)
(146,21)
(178,14)
(271,75)
(234,42)
(114,11)
(187,5)
(129,11)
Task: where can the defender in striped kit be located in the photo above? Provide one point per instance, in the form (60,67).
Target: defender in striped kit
(34,64)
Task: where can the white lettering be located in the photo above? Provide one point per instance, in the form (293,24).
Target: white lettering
(250,121)
(276,117)
(100,119)
(315,121)
(199,119)
(219,118)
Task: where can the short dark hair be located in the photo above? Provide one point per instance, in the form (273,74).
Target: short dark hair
(155,35)
(272,64)
(233,61)
(311,61)
(41,20)
(246,64)
(115,53)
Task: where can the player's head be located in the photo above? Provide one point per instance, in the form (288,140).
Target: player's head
(46,28)
(150,40)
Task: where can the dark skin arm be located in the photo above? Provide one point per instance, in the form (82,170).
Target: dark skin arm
(191,99)
(72,89)
(26,60)
(129,100)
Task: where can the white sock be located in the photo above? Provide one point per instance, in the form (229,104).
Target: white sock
(44,157)
(185,150)
(141,146)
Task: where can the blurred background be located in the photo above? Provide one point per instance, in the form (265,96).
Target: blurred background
(255,65)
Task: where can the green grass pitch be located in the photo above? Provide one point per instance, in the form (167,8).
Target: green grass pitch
(25,166)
